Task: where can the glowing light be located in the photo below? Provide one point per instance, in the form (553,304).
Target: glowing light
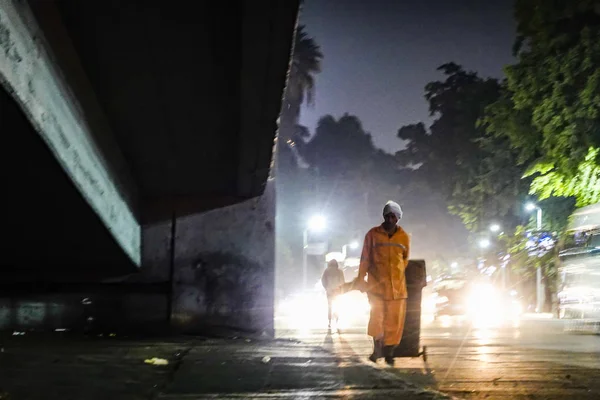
(317,223)
(304,311)
(487,308)
(308,310)
(484,243)
(352,262)
(495,228)
(530,206)
(446,321)
(351,306)
(354,245)
(339,257)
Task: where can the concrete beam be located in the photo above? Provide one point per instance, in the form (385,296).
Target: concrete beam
(29,72)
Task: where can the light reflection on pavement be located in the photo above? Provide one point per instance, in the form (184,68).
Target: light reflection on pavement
(528,358)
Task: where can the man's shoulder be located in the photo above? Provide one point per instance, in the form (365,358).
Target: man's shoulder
(375,229)
(402,232)
(372,232)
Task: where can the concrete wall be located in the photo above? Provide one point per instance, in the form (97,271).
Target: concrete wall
(223,266)
(222,274)
(29,73)
(85,312)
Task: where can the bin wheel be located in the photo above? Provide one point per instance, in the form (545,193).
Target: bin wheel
(424,353)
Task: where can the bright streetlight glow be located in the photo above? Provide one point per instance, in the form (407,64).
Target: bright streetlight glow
(454,264)
(495,228)
(317,223)
(484,243)
(354,245)
(532,206)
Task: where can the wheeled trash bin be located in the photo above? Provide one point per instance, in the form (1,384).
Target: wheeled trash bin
(416,280)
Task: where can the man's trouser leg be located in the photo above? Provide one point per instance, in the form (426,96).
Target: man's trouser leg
(330,307)
(387,320)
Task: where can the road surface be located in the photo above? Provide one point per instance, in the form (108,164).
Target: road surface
(532,358)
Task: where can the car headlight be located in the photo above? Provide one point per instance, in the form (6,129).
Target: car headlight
(483,299)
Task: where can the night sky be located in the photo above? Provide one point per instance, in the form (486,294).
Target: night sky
(379,55)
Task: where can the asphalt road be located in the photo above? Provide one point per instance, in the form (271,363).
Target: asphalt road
(530,358)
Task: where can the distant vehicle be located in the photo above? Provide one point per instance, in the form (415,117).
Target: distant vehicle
(579,271)
(478,300)
(450,297)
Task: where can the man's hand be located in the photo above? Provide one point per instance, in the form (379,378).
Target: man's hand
(360,284)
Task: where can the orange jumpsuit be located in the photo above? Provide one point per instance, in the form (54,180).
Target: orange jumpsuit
(383,261)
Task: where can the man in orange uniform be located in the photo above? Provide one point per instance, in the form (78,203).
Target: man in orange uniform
(383,261)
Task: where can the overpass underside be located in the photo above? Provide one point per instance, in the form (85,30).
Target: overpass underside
(137,143)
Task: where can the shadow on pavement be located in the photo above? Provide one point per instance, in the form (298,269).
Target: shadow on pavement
(415,371)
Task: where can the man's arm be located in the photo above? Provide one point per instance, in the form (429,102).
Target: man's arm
(365,258)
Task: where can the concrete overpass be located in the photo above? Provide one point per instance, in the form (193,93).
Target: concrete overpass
(137,145)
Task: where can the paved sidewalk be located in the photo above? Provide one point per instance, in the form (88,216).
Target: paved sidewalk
(282,370)
(51,367)
(43,367)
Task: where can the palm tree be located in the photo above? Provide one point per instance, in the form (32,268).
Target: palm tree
(306,63)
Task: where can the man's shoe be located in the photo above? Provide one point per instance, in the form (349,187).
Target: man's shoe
(388,352)
(377,351)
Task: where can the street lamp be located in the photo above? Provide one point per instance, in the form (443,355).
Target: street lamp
(538,274)
(317,223)
(484,243)
(532,206)
(354,245)
(495,228)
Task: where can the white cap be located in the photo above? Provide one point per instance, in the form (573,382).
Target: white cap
(392,207)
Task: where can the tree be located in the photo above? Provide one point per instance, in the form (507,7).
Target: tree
(351,176)
(553,97)
(444,151)
(476,173)
(300,89)
(306,62)
(293,183)
(338,145)
(353,180)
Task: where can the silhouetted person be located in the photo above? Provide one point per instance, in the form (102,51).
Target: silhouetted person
(332,280)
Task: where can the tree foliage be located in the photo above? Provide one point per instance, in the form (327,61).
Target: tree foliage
(551,109)
(306,62)
(351,177)
(300,89)
(584,184)
(445,150)
(476,173)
